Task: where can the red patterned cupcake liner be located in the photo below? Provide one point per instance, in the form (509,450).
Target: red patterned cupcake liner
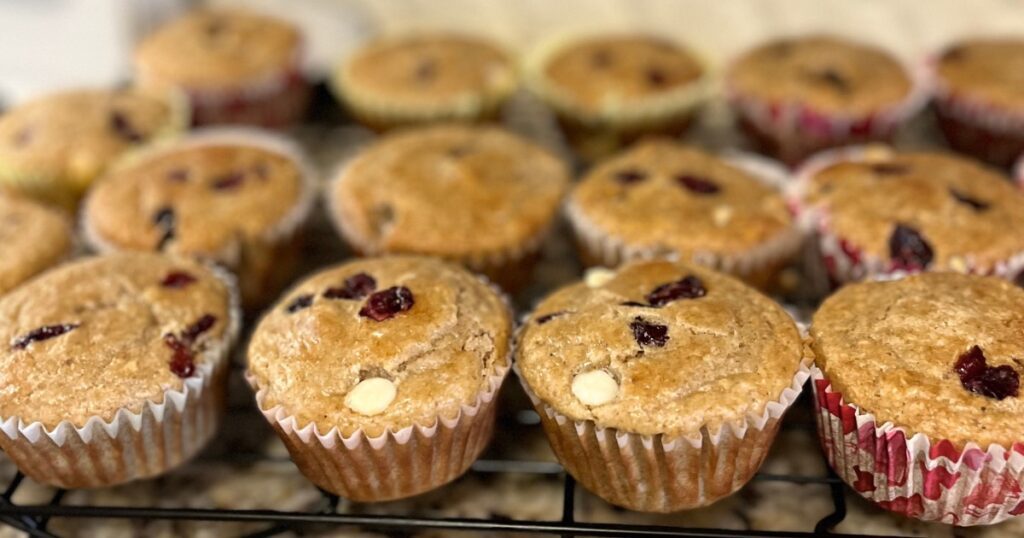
(912,474)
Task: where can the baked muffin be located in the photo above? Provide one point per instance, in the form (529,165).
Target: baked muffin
(979,99)
(609,90)
(34,238)
(235,66)
(878,212)
(476,195)
(239,198)
(388,365)
(660,198)
(796,96)
(918,394)
(417,79)
(660,385)
(113,368)
(53,147)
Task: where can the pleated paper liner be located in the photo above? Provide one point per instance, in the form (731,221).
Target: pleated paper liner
(912,474)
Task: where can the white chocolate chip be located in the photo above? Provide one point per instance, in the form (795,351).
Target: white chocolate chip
(596,277)
(371,396)
(958,264)
(596,387)
(721,215)
(877,153)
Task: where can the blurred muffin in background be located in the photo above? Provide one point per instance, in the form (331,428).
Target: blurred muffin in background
(609,90)
(236,67)
(979,97)
(799,95)
(424,78)
(34,238)
(54,146)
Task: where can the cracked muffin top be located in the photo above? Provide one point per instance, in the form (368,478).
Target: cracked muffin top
(658,348)
(937,353)
(825,73)
(987,69)
(34,238)
(107,333)
(380,344)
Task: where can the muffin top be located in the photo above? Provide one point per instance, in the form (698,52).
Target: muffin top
(211,49)
(920,210)
(824,73)
(449,191)
(74,135)
(658,347)
(429,70)
(198,196)
(936,353)
(987,69)
(107,333)
(34,238)
(667,197)
(378,344)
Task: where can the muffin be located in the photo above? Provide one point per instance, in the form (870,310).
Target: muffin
(53,147)
(660,385)
(113,368)
(918,394)
(388,365)
(476,195)
(609,90)
(878,212)
(235,66)
(800,95)
(979,99)
(239,198)
(418,79)
(661,198)
(34,238)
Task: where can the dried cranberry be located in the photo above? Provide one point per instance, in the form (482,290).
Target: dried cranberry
(973,203)
(165,220)
(231,180)
(301,302)
(355,287)
(834,79)
(688,287)
(634,303)
(183,361)
(649,334)
(194,331)
(697,184)
(656,77)
(177,280)
(123,127)
(43,333)
(541,320)
(908,249)
(386,304)
(997,382)
(177,175)
(890,169)
(630,176)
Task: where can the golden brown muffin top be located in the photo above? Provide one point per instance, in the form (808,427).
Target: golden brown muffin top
(210,49)
(91,337)
(378,344)
(668,197)
(200,196)
(986,69)
(74,135)
(966,213)
(429,70)
(448,190)
(825,73)
(34,238)
(658,347)
(892,348)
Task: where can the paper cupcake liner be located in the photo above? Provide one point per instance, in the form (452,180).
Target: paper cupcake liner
(260,263)
(132,444)
(912,474)
(662,474)
(792,130)
(758,265)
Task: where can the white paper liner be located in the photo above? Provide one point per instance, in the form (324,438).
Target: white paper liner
(662,474)
(914,475)
(131,445)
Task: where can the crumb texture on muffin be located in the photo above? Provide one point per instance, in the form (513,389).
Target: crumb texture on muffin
(34,238)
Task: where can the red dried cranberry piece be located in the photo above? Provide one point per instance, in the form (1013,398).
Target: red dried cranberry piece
(997,382)
(634,303)
(656,77)
(356,287)
(165,220)
(386,304)
(970,364)
(630,176)
(649,334)
(183,361)
(301,302)
(123,127)
(688,287)
(229,181)
(697,184)
(541,320)
(43,333)
(908,249)
(194,331)
(177,280)
(973,203)
(890,169)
